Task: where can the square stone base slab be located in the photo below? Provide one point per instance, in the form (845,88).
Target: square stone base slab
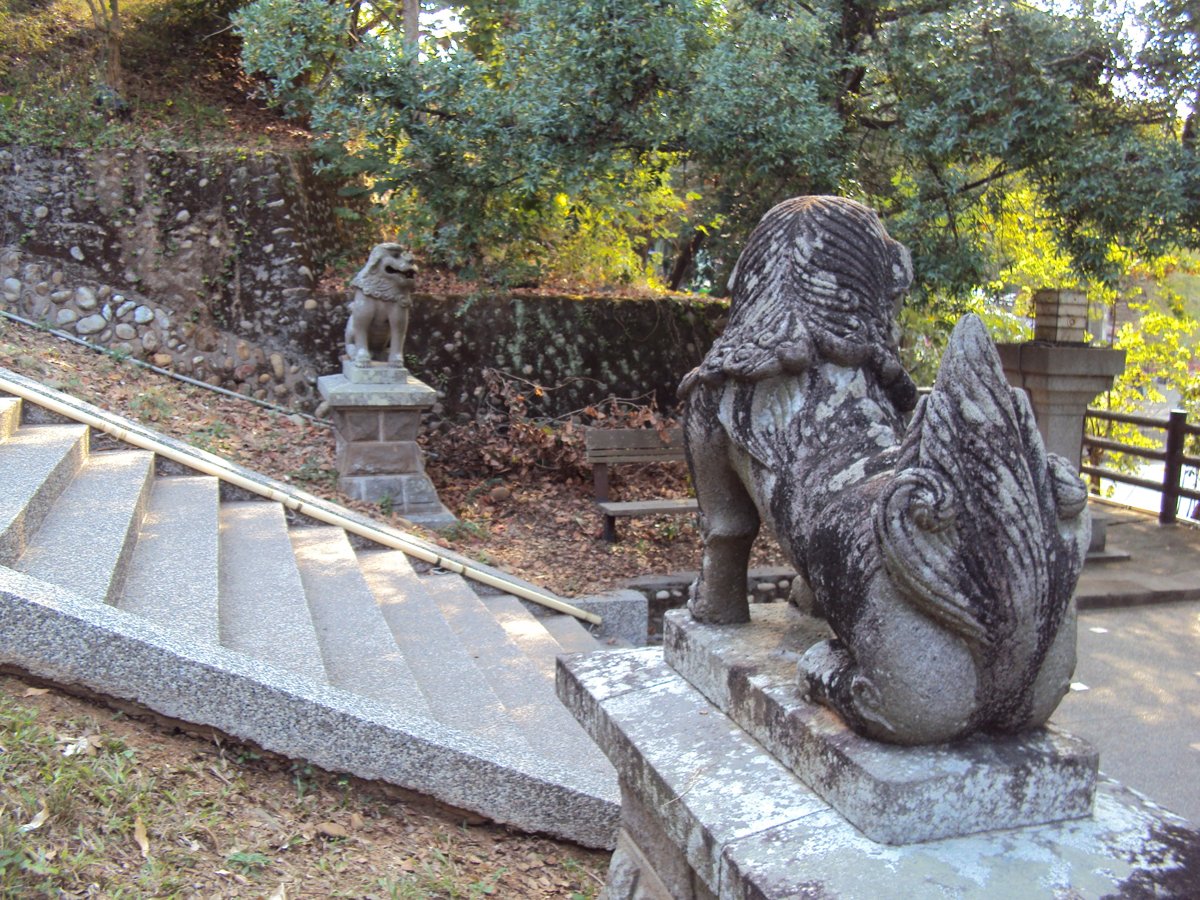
(748,828)
(339,391)
(897,795)
(374,372)
(412,496)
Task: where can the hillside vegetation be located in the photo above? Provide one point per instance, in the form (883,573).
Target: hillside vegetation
(182,83)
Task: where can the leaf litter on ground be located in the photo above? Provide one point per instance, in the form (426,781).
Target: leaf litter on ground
(520,487)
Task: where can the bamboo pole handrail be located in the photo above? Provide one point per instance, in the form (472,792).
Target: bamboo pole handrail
(297,501)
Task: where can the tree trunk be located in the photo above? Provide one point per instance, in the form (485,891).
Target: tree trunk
(685,260)
(113,74)
(106,16)
(412,25)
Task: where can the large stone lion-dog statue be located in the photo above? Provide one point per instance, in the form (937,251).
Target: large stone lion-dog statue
(379,308)
(943,551)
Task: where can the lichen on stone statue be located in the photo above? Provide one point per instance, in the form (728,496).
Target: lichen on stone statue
(942,548)
(380,306)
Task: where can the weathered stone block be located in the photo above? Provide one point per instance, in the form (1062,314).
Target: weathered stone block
(412,496)
(358,426)
(749,829)
(399,425)
(380,458)
(897,795)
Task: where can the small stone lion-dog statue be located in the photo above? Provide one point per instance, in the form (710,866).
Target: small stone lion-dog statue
(943,551)
(382,298)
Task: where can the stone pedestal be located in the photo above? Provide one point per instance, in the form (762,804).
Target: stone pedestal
(710,810)
(377,411)
(1061,381)
(895,795)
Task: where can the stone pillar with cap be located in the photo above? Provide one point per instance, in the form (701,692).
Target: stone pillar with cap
(1059,371)
(376,409)
(1062,375)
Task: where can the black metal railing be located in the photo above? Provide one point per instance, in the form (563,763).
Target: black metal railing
(1172,456)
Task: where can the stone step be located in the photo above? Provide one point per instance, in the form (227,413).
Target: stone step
(38,462)
(571,634)
(173,575)
(458,693)
(525,630)
(518,681)
(10,416)
(111,489)
(263,610)
(357,647)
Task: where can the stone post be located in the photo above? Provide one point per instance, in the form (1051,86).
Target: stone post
(377,410)
(1060,316)
(1062,375)
(1061,380)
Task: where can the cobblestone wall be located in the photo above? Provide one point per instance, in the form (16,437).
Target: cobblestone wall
(201,263)
(204,264)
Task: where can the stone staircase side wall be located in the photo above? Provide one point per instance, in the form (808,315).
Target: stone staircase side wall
(54,634)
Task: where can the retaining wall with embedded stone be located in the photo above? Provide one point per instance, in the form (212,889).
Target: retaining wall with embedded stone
(576,350)
(216,252)
(70,298)
(203,263)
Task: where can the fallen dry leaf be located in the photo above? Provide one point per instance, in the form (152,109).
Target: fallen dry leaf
(139,835)
(37,821)
(87,745)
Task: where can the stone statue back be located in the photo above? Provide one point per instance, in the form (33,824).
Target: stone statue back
(943,550)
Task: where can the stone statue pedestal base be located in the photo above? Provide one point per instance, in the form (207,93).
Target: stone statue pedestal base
(709,811)
(377,411)
(895,795)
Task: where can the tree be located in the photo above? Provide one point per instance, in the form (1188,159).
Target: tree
(923,108)
(106,16)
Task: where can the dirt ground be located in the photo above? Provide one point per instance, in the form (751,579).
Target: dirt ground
(95,802)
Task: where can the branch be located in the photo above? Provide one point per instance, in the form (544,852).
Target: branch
(877,124)
(886,16)
(1001,171)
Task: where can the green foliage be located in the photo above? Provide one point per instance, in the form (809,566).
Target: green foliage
(928,111)
(1160,353)
(55,66)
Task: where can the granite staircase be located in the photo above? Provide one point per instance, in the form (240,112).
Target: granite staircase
(142,580)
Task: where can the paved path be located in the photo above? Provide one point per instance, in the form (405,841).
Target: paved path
(1137,683)
(1162,562)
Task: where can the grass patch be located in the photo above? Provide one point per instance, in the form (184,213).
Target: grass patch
(94,803)
(183,85)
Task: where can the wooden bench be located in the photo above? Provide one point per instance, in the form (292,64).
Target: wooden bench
(615,446)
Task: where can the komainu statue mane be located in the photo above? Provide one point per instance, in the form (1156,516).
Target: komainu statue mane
(942,548)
